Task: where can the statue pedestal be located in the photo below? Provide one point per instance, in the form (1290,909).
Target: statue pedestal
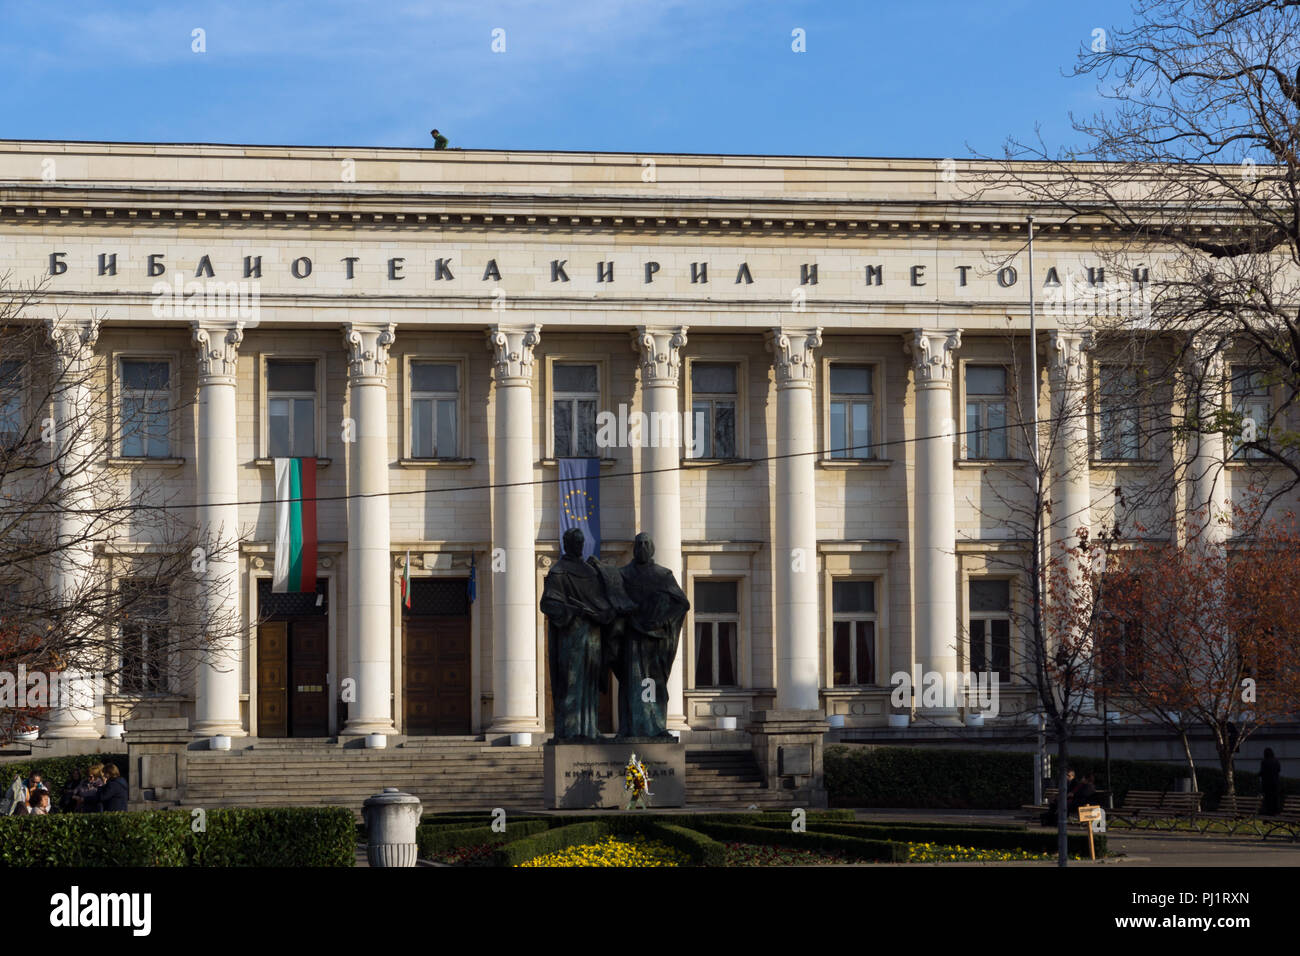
(589,775)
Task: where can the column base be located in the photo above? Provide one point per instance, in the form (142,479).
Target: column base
(361,726)
(71,731)
(215,728)
(678,722)
(505,726)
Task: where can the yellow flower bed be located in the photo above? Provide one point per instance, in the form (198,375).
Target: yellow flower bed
(614,851)
(938,853)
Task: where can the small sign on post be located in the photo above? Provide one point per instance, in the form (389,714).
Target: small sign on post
(1096,820)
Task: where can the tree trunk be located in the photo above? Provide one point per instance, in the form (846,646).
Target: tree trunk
(1191,764)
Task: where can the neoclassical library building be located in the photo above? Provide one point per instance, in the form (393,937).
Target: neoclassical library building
(798,375)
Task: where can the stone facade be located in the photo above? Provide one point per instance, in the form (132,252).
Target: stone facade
(506,266)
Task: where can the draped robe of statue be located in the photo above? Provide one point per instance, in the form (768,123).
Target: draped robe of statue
(576,609)
(643,643)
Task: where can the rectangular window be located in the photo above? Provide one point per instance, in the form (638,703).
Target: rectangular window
(714,398)
(291,409)
(575,397)
(145,640)
(852,410)
(853,632)
(990,627)
(1120,632)
(146,408)
(11,402)
(1253,402)
(986,412)
(435,397)
(717,623)
(1119,418)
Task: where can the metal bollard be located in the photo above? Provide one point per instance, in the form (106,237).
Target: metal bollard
(391,818)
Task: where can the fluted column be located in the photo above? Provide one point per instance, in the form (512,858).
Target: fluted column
(514,532)
(78,713)
(1206,490)
(798,631)
(659,351)
(216,691)
(935,521)
(1071,490)
(370,610)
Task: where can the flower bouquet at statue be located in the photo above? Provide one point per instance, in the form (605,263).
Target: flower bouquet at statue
(636,784)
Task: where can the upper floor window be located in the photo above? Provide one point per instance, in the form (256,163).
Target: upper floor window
(1119,420)
(713,409)
(990,626)
(146,408)
(11,402)
(291,408)
(853,632)
(986,411)
(852,410)
(145,643)
(1253,402)
(574,399)
(435,397)
(717,624)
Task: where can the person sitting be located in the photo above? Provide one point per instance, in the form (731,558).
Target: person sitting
(36,782)
(39,803)
(1082,794)
(87,787)
(112,796)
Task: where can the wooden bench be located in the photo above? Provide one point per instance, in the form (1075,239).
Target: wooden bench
(1234,811)
(1139,807)
(1288,821)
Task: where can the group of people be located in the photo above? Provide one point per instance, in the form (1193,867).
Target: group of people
(1080,792)
(101,789)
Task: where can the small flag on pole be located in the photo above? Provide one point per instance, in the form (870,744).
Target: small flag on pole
(295,526)
(406,581)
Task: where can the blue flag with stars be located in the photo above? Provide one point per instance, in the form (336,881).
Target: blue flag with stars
(580,502)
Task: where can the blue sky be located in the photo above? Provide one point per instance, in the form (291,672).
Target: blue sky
(923,78)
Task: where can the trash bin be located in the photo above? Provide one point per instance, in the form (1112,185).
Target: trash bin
(391,818)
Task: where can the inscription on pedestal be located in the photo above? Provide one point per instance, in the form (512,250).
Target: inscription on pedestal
(590,776)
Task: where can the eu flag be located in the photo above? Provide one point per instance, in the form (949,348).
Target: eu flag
(580,502)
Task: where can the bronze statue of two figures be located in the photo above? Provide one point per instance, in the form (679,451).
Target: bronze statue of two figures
(601,618)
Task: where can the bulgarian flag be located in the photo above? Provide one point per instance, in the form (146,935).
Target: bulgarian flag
(295,526)
(406,581)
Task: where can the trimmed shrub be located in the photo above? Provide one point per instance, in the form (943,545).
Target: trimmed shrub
(984,838)
(275,836)
(702,849)
(548,841)
(434,840)
(156,838)
(855,847)
(56,771)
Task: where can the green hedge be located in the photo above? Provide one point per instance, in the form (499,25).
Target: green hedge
(984,838)
(276,836)
(702,849)
(286,837)
(56,771)
(862,849)
(434,840)
(95,839)
(925,778)
(549,841)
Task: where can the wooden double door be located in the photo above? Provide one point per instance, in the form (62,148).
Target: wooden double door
(435,675)
(292,678)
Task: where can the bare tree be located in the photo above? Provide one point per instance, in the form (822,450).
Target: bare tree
(101,566)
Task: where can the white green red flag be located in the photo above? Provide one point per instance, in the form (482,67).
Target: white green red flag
(406,581)
(295,526)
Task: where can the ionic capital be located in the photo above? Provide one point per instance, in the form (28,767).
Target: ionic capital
(932,355)
(660,352)
(792,355)
(218,352)
(512,352)
(1067,363)
(367,347)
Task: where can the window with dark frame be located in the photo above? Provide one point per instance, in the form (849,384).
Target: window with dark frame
(852,411)
(1119,419)
(714,398)
(990,627)
(853,634)
(435,401)
(11,402)
(575,396)
(146,408)
(145,630)
(717,624)
(291,408)
(1252,401)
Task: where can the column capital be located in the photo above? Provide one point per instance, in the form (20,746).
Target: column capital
(1206,357)
(367,347)
(1065,359)
(512,347)
(792,355)
(932,351)
(217,360)
(70,336)
(660,353)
